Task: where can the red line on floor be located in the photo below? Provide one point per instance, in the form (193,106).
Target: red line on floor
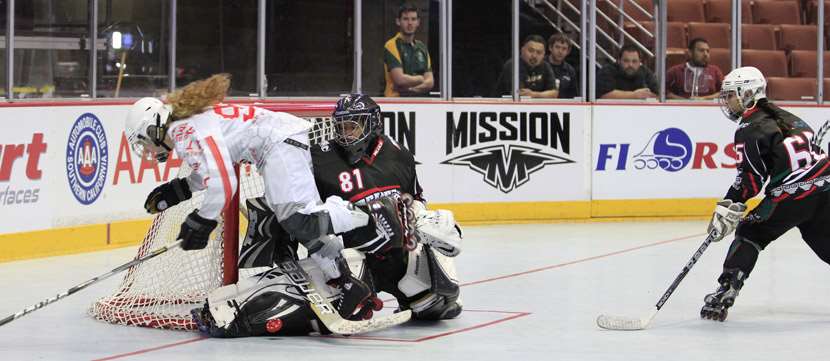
(513,316)
(580,260)
(139,352)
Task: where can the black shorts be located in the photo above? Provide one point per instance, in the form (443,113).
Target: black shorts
(770,220)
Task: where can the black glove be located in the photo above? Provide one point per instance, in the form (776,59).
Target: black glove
(167,195)
(195,231)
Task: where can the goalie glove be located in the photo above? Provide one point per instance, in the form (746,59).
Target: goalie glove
(167,195)
(726,218)
(437,229)
(195,231)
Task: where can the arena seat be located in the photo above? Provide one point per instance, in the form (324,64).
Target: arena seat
(717,34)
(720,11)
(772,63)
(803,89)
(798,37)
(722,58)
(803,64)
(759,37)
(776,12)
(685,11)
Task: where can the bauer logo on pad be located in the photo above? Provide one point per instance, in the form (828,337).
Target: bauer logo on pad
(87,158)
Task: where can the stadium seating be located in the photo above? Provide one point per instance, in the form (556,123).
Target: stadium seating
(759,37)
(798,37)
(722,58)
(801,89)
(776,12)
(717,34)
(685,11)
(771,62)
(720,11)
(803,64)
(675,31)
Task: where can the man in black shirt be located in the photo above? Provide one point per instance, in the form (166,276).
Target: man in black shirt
(536,77)
(777,148)
(627,79)
(567,78)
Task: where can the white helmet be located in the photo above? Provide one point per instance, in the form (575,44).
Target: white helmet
(747,85)
(146,127)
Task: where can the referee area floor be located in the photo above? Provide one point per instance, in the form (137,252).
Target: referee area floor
(531,292)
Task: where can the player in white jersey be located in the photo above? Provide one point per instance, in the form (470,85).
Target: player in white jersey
(211,137)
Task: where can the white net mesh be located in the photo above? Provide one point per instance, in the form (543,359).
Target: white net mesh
(160,293)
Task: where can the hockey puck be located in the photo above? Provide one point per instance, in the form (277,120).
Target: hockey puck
(273,326)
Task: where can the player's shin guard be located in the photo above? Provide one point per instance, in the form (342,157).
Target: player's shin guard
(718,303)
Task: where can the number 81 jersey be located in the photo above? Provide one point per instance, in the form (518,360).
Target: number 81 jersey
(781,152)
(387,169)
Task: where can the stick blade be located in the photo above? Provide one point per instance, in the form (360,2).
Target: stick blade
(341,326)
(619,323)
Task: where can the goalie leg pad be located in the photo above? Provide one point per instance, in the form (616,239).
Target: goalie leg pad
(264,304)
(438,290)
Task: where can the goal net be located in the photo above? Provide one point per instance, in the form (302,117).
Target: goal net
(160,292)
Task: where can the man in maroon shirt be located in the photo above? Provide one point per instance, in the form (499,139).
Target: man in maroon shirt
(695,79)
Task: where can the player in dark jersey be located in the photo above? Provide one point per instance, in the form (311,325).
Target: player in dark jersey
(777,148)
(362,165)
(409,250)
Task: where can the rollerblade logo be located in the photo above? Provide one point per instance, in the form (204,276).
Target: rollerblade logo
(507,147)
(87,158)
(670,150)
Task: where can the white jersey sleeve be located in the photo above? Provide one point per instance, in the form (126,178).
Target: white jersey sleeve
(202,145)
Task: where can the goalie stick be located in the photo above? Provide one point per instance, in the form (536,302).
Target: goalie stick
(328,315)
(610,322)
(90,282)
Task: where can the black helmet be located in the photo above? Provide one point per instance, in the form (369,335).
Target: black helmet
(357,122)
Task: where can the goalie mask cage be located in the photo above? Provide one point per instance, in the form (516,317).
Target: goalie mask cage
(160,292)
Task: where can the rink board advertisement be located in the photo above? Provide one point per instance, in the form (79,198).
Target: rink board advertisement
(661,152)
(495,153)
(72,165)
(67,166)
(667,152)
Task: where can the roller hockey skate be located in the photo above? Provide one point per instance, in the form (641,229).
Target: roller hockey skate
(357,300)
(717,304)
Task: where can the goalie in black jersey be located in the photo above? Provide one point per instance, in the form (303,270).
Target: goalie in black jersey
(777,148)
(405,250)
(366,167)
(408,249)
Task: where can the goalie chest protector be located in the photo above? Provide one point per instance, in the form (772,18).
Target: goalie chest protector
(387,169)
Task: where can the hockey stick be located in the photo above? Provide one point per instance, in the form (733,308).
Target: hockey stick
(90,282)
(328,314)
(610,322)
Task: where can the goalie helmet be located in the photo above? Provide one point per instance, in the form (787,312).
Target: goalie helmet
(741,90)
(356,120)
(146,128)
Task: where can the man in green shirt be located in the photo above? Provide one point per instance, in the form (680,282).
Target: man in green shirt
(406,60)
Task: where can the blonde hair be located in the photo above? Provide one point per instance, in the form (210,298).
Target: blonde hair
(194,97)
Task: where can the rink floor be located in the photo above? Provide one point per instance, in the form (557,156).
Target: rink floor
(531,292)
